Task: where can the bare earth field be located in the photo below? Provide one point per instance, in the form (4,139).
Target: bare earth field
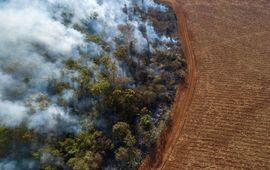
(222,120)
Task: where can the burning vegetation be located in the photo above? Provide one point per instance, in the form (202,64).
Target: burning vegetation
(87,85)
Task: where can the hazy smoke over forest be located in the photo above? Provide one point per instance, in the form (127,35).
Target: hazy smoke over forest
(36,36)
(34,41)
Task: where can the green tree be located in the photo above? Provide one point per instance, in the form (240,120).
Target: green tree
(59,87)
(128,157)
(100,88)
(121,52)
(122,135)
(84,151)
(146,122)
(72,64)
(89,161)
(122,154)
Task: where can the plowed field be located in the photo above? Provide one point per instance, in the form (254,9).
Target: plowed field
(222,120)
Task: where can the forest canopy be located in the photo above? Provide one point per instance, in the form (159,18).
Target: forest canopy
(85,85)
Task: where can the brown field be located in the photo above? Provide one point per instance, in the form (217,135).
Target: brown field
(221,118)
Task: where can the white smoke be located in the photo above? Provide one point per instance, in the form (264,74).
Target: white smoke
(34,41)
(152,4)
(28,35)
(50,119)
(8,164)
(36,36)
(34,26)
(11,114)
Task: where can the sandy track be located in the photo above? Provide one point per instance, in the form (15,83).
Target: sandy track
(221,119)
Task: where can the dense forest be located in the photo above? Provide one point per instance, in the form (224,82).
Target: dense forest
(85,85)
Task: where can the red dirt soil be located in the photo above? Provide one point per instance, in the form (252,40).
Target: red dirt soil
(221,116)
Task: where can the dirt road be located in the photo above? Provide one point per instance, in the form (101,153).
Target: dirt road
(221,118)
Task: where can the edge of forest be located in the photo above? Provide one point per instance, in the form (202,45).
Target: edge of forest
(168,138)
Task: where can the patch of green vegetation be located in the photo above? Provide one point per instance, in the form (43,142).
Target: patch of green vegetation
(83,151)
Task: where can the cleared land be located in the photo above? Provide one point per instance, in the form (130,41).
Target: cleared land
(226,123)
